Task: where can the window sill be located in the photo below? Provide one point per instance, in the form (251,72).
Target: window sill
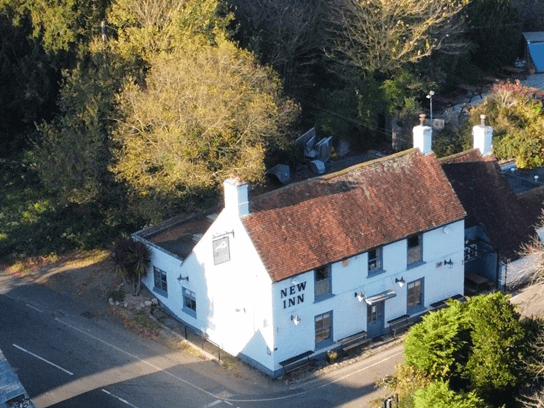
(415,310)
(161,292)
(324,344)
(190,312)
(321,298)
(415,265)
(375,273)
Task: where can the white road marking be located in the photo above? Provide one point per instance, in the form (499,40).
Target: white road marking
(43,359)
(35,308)
(321,386)
(216,396)
(138,358)
(211,404)
(226,402)
(124,401)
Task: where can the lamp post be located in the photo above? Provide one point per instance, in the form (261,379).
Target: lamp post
(430,98)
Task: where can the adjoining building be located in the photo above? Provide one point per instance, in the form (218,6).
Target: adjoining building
(291,273)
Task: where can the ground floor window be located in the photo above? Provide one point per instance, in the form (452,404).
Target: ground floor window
(189,302)
(415,296)
(160,279)
(323,329)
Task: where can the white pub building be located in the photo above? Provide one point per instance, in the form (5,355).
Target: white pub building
(293,273)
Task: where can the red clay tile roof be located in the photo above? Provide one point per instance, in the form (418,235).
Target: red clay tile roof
(332,217)
(489,201)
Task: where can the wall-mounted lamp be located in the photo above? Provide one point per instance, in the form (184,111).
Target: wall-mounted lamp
(294,281)
(400,281)
(181,278)
(360,296)
(450,262)
(295,319)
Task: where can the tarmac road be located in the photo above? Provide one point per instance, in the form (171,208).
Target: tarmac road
(67,360)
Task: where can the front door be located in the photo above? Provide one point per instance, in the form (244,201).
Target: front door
(375,322)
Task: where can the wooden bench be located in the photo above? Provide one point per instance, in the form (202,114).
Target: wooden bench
(442,303)
(296,362)
(400,323)
(355,340)
(492,79)
(517,73)
(477,281)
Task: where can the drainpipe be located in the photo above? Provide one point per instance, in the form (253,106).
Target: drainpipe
(498,273)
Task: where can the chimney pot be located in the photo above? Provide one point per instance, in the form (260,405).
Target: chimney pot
(482,120)
(422,119)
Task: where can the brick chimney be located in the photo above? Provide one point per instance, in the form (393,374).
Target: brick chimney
(483,137)
(423,136)
(236,197)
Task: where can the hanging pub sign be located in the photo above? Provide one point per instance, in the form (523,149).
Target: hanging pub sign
(221,250)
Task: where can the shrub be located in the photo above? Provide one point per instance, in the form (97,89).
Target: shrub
(439,395)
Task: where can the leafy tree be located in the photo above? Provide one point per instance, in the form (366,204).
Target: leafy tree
(494,31)
(480,345)
(439,395)
(73,155)
(517,122)
(286,34)
(205,112)
(440,344)
(131,259)
(495,365)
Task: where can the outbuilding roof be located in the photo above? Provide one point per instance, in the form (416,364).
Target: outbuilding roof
(489,201)
(329,218)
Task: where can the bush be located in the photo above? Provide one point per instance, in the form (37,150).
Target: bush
(480,345)
(439,345)
(439,395)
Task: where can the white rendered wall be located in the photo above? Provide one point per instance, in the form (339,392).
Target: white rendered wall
(233,298)
(349,276)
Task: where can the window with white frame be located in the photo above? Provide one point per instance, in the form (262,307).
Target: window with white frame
(471,251)
(415,249)
(415,294)
(160,279)
(323,328)
(375,261)
(322,282)
(189,302)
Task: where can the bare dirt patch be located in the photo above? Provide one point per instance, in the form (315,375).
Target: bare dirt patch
(84,276)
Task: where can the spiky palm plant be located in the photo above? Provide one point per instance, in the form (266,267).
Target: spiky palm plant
(131,259)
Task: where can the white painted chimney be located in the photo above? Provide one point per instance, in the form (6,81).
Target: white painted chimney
(483,137)
(236,197)
(423,136)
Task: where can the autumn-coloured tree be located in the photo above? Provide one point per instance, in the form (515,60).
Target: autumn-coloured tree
(517,122)
(385,35)
(204,112)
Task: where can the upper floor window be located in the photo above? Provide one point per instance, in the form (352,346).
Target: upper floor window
(322,282)
(375,261)
(415,249)
(160,279)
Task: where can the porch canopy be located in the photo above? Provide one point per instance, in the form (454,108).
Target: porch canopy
(388,294)
(535,48)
